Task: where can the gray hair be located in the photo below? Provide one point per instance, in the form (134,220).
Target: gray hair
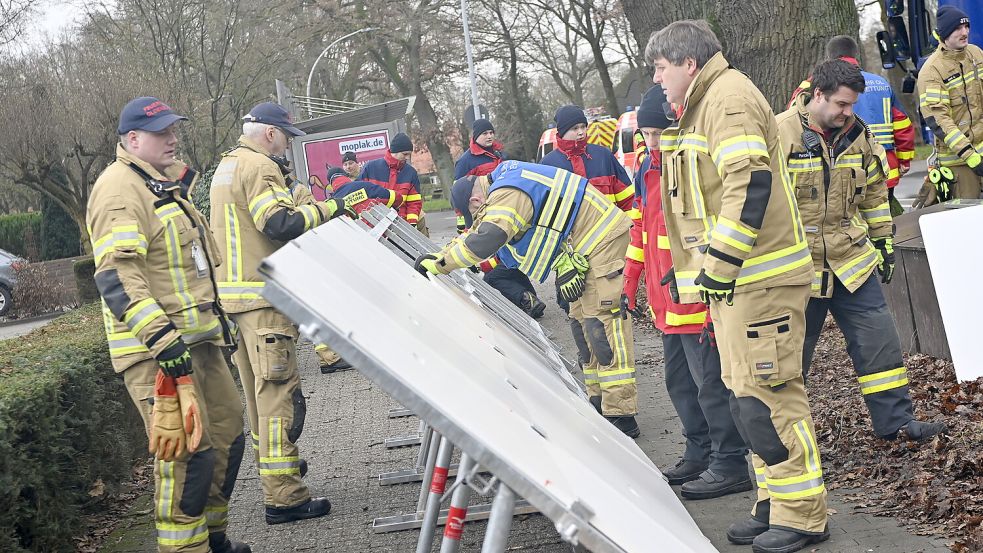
(252,129)
(688,38)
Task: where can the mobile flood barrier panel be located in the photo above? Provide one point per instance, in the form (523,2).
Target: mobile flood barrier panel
(478,384)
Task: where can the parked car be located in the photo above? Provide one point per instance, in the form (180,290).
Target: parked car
(9,264)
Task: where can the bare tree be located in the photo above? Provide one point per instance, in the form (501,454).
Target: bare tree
(14,14)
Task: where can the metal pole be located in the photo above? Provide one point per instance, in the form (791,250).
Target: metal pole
(470,56)
(310,76)
(500,523)
(431,462)
(437,485)
(458,511)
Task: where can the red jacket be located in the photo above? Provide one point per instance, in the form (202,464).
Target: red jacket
(654,258)
(399,177)
(598,165)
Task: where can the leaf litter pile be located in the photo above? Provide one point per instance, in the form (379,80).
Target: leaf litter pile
(935,487)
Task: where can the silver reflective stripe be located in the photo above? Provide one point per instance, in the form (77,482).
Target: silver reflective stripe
(200,336)
(233,221)
(258,206)
(612,378)
(731,233)
(124,343)
(812,457)
(747,272)
(859,266)
(885,380)
(142,314)
(280,465)
(231,290)
(876,213)
(168,212)
(182,534)
(797,487)
(588,244)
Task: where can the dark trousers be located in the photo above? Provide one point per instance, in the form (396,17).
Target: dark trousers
(703,404)
(874,346)
(511,283)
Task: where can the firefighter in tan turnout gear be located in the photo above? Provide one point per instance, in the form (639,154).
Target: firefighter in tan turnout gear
(737,242)
(950,97)
(839,173)
(155,260)
(254,214)
(540,218)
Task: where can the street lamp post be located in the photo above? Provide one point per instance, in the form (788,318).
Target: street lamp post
(310,77)
(467,51)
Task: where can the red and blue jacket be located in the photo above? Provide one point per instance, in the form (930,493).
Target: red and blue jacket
(478,161)
(399,177)
(598,165)
(649,251)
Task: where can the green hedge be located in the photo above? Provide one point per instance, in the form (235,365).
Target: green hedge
(66,421)
(20,234)
(59,233)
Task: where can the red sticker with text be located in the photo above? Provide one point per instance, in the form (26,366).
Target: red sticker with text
(439,481)
(455,523)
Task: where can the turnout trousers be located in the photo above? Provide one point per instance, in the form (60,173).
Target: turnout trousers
(191,493)
(760,338)
(603,333)
(275,405)
(511,283)
(703,404)
(874,347)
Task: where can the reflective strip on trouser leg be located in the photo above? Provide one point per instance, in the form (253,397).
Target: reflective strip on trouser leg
(223,417)
(176,530)
(776,418)
(875,348)
(610,338)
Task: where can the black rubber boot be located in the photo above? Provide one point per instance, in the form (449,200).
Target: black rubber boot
(626,425)
(779,540)
(744,532)
(596,402)
(303,468)
(336,366)
(921,431)
(315,507)
(711,484)
(220,543)
(684,471)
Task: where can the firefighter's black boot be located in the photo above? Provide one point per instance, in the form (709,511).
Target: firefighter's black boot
(596,402)
(315,507)
(626,424)
(220,543)
(684,471)
(533,305)
(744,532)
(712,484)
(779,540)
(921,431)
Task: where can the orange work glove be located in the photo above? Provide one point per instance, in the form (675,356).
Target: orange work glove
(176,422)
(187,396)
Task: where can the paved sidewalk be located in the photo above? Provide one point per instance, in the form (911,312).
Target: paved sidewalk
(347,421)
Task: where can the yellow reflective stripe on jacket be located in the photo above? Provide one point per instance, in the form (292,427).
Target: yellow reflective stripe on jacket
(245,290)
(884,380)
(461,255)
(662,242)
(878,214)
(121,237)
(233,237)
(685,282)
(312,216)
(793,206)
(600,229)
(634,213)
(175,264)
(697,194)
(677,319)
(142,314)
(905,155)
(847,161)
(734,234)
(412,198)
(759,476)
(563,192)
(857,267)
(955,140)
(627,192)
(739,146)
(933,96)
(507,215)
(259,205)
(124,343)
(412,218)
(806,165)
(771,264)
(635,253)
(193,335)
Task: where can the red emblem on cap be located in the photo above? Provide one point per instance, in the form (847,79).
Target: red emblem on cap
(155,108)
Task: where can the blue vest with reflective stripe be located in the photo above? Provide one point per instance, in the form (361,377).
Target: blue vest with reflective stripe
(874,108)
(556,196)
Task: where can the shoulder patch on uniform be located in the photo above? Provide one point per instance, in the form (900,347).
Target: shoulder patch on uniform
(225,171)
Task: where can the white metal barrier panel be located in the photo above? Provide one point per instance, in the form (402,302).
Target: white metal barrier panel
(493,390)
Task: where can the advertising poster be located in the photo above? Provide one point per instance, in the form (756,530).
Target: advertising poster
(328,151)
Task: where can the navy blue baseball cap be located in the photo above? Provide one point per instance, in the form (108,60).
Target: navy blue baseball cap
(273,114)
(147,114)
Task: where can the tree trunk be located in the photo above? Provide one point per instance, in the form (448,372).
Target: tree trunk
(777,43)
(434,136)
(602,71)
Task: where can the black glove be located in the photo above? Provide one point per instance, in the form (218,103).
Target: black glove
(713,289)
(625,310)
(670,279)
(886,267)
(337,207)
(175,360)
(418,264)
